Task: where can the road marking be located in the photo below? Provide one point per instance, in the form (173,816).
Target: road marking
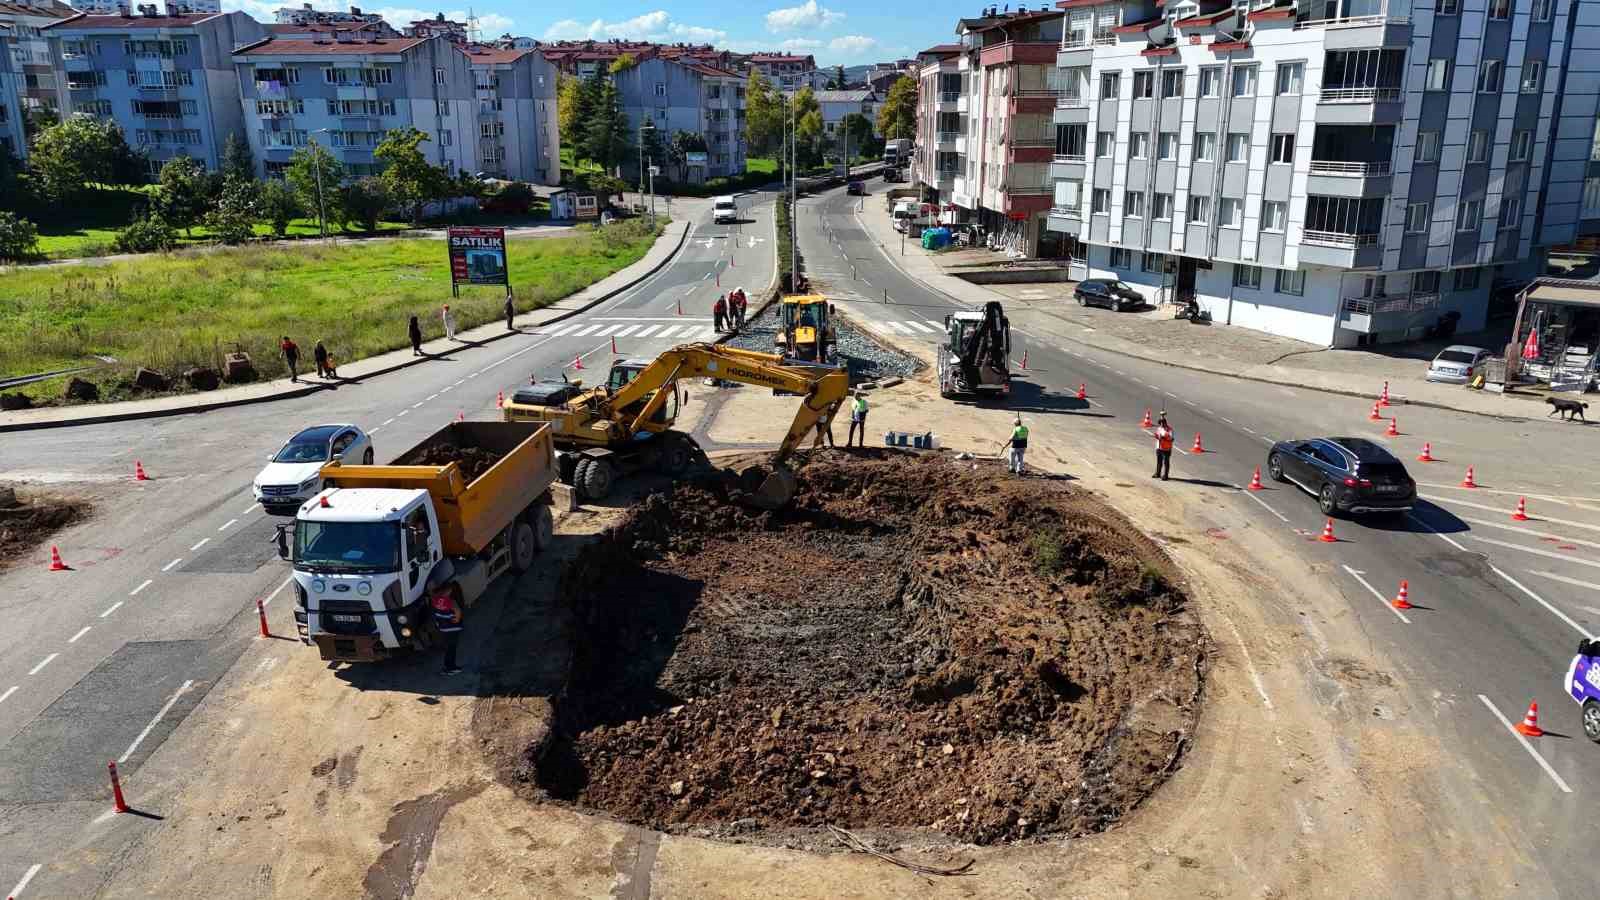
(1565,580)
(1381,599)
(1541,601)
(400,413)
(1526,746)
(135,591)
(418,404)
(1564,501)
(228,524)
(168,566)
(627,330)
(668,331)
(249,509)
(202,542)
(1498,509)
(432,396)
(865,280)
(1207,411)
(1530,531)
(387,421)
(9,691)
(1538,552)
(42,663)
(1120,372)
(584,332)
(1432,530)
(444,390)
(113,608)
(646,330)
(1281,517)
(81,632)
(607,330)
(153,722)
(926,329)
(26,876)
(274,595)
(459,382)
(1248,429)
(1226,419)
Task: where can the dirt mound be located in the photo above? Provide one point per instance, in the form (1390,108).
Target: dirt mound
(474,461)
(915,643)
(28,521)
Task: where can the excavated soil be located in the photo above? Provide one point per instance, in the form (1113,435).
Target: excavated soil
(918,643)
(474,461)
(27,521)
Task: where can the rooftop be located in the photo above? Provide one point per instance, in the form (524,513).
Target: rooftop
(87,22)
(844,96)
(293,47)
(490,56)
(47,10)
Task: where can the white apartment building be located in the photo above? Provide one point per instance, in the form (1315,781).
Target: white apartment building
(675,96)
(12,136)
(116,7)
(518,131)
(37,82)
(1343,173)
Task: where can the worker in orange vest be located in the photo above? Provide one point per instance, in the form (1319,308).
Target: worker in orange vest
(1163,447)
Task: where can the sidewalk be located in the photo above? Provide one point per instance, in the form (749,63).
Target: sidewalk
(1220,349)
(664,250)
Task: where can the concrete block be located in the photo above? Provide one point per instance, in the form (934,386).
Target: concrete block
(564,498)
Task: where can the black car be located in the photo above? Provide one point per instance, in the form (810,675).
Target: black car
(1345,474)
(1108,292)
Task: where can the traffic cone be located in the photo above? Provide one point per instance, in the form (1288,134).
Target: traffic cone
(1083,391)
(1327,534)
(138,471)
(1427,453)
(577,363)
(1375,415)
(1467,482)
(613,345)
(1401,600)
(1529,726)
(1146,423)
(261,613)
(1521,515)
(1255,480)
(1383,400)
(1198,447)
(680,307)
(1394,428)
(1024,360)
(460,417)
(719,279)
(499,399)
(119,804)
(56,565)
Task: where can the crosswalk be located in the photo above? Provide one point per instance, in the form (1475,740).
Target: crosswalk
(909,326)
(695,331)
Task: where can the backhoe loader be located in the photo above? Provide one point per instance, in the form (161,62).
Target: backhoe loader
(805,329)
(626,424)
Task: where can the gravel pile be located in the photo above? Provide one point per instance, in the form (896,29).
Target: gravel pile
(866,359)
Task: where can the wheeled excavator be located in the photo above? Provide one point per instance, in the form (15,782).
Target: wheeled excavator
(976,356)
(626,424)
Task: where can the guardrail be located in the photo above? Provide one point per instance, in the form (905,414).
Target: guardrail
(1331,167)
(1074,211)
(1359,95)
(1339,239)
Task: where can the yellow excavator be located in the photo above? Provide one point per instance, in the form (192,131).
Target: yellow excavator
(805,328)
(626,424)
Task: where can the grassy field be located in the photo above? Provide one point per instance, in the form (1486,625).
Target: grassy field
(766,165)
(169,312)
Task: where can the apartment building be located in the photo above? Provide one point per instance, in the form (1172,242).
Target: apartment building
(518,134)
(685,96)
(942,106)
(40,83)
(13,139)
(1334,172)
(835,105)
(439,26)
(115,7)
(585,58)
(165,78)
(306,14)
(345,94)
(787,71)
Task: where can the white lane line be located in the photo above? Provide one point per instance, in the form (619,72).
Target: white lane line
(432,396)
(1548,770)
(1564,501)
(459,382)
(1120,372)
(42,663)
(607,330)
(1226,419)
(563,331)
(387,421)
(667,331)
(9,691)
(582,332)
(1507,511)
(111,609)
(1248,429)
(627,330)
(1489,523)
(153,722)
(400,413)
(1541,601)
(926,329)
(418,404)
(228,524)
(1538,552)
(1251,494)
(446,389)
(168,566)
(1381,598)
(707,278)
(863,280)
(274,595)
(900,327)
(81,632)
(1432,530)
(1565,580)
(1208,411)
(26,876)
(135,591)
(248,509)
(201,543)
(643,332)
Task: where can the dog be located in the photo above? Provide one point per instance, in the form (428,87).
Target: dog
(1570,410)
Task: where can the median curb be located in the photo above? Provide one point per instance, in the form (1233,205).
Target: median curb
(295,393)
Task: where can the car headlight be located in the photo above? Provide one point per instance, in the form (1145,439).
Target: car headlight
(402,619)
(309,483)
(318,585)
(364,588)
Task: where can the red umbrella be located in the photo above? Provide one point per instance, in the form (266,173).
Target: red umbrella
(1530,350)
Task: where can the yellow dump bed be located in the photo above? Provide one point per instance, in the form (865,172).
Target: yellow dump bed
(470,513)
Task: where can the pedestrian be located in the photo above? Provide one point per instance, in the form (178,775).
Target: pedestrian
(744,306)
(319,354)
(447,618)
(511,313)
(1018,444)
(719,312)
(333,367)
(1163,447)
(291,356)
(858,419)
(449,322)
(825,427)
(416,336)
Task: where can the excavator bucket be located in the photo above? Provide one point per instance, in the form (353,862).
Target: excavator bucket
(768,489)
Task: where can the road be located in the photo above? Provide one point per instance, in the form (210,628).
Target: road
(1501,605)
(102,663)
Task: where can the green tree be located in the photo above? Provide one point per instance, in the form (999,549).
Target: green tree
(622,63)
(569,105)
(683,144)
(897,117)
(809,140)
(150,234)
(763,117)
(306,167)
(837,83)
(66,156)
(128,166)
(411,180)
(277,204)
(608,137)
(590,92)
(19,240)
(857,128)
(236,160)
(363,201)
(233,218)
(186,193)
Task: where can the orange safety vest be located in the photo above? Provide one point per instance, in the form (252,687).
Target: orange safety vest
(1164,438)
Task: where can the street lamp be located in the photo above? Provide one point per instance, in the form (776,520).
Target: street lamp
(647,124)
(316,165)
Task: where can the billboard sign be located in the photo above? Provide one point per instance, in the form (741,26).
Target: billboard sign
(695,157)
(478,256)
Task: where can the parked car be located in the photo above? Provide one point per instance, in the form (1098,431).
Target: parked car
(856,186)
(1457,363)
(1346,475)
(293,475)
(1108,292)
(1583,685)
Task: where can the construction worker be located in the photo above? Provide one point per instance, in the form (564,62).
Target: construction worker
(1163,447)
(825,427)
(1018,444)
(719,312)
(447,618)
(291,357)
(858,419)
(739,307)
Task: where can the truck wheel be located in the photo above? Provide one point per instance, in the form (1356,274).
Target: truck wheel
(544,526)
(595,476)
(673,456)
(523,547)
(1591,719)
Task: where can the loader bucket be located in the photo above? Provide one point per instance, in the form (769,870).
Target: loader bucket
(768,489)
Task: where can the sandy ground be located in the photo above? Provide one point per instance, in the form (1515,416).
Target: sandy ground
(1312,772)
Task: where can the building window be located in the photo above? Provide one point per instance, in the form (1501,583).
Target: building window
(1469,215)
(1290,77)
(1532,75)
(1283,148)
(1138,145)
(1425,283)
(1247,277)
(1273,215)
(1205,146)
(1172,83)
(438,76)
(1144,85)
(1161,206)
(1100,201)
(1210,81)
(1591,198)
(1521,145)
(1438,75)
(1238,146)
(1121,258)
(1447,7)
(1244,81)
(442,107)
(1499,9)
(1510,211)
(1133,204)
(661,89)
(1477,146)
(1104,143)
(1229,212)
(1110,84)
(1417,218)
(1292,283)
(1199,210)
(1153,262)
(1167,145)
(1542,10)
(1427,146)
(1491,76)
(445,139)
(1466,280)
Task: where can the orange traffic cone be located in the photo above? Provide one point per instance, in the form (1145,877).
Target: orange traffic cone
(1327,534)
(1394,428)
(577,363)
(1427,453)
(613,345)
(1146,423)
(1198,447)
(1083,391)
(56,565)
(1529,726)
(1383,400)
(500,400)
(1402,599)
(138,471)
(1521,515)
(1024,360)
(1255,480)
(460,417)
(1375,415)
(1467,482)
(680,307)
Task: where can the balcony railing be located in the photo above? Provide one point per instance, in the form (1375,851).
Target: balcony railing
(949,96)
(1075,212)
(1359,95)
(947,174)
(1034,92)
(948,137)
(1353,22)
(1007,187)
(1074,101)
(1033,141)
(1391,303)
(1356,169)
(1070,157)
(1339,239)
(1076,42)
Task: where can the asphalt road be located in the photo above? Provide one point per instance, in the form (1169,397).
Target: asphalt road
(102,663)
(1501,605)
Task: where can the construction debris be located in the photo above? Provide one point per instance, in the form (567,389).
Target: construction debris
(474,461)
(28,519)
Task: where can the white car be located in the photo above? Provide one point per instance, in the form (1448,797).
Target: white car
(293,474)
(1457,363)
(724,209)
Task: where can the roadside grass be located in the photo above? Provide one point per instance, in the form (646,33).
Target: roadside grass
(766,165)
(169,312)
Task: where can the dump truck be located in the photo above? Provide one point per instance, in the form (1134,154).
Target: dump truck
(452,514)
(975,359)
(805,329)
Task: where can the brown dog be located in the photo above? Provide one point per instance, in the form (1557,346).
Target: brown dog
(1570,410)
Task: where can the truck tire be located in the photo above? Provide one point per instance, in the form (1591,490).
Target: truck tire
(544,526)
(595,477)
(523,547)
(673,456)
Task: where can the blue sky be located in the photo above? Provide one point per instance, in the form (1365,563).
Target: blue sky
(847,32)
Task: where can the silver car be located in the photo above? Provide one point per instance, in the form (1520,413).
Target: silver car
(1457,363)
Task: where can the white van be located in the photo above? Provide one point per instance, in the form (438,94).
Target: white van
(723,209)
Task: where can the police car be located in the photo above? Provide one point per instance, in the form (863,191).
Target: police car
(1583,683)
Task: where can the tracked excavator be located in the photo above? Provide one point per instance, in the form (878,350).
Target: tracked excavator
(626,424)
(976,356)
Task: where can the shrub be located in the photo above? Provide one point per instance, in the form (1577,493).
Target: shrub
(148,235)
(277,204)
(19,240)
(364,200)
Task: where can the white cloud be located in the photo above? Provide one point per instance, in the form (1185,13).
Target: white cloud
(652,26)
(796,45)
(807,15)
(852,44)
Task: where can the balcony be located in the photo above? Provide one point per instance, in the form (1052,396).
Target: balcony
(1352,180)
(1069,166)
(1341,249)
(1359,105)
(1070,111)
(1068,219)
(948,101)
(946,178)
(1387,313)
(1361,32)
(946,140)
(1015,52)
